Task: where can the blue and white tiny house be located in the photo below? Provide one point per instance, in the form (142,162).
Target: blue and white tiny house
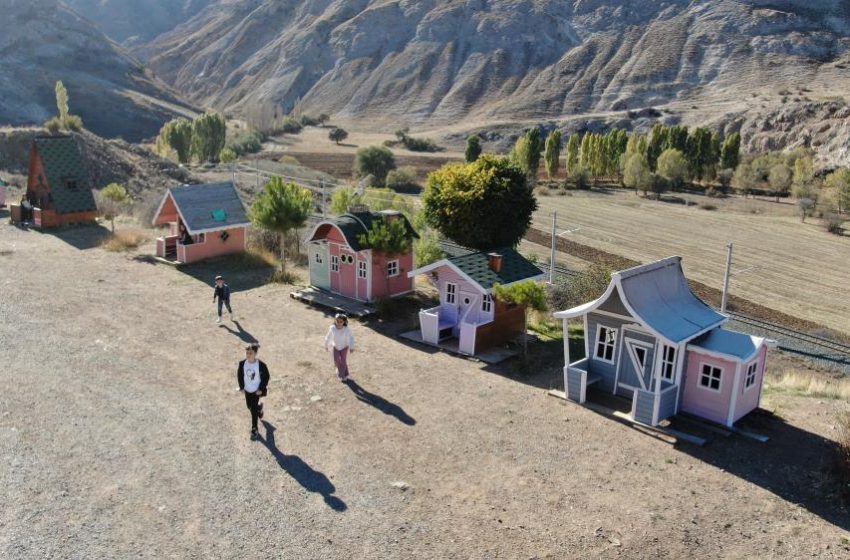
(649,338)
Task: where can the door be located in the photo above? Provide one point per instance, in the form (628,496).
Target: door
(347,274)
(636,358)
(320,276)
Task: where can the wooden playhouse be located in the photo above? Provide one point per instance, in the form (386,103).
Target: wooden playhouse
(650,339)
(213,218)
(468,312)
(59,190)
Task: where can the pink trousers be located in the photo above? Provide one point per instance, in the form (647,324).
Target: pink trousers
(341,362)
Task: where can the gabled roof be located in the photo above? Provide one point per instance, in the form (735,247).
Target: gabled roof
(658,296)
(475,267)
(355,224)
(63,164)
(742,347)
(209,207)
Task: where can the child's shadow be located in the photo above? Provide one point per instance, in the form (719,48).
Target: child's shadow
(380,403)
(309,478)
(243,335)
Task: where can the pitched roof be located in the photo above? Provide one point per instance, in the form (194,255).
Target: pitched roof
(355,224)
(515,267)
(657,294)
(209,207)
(731,343)
(63,167)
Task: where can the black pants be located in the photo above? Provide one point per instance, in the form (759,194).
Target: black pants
(252,401)
(225,302)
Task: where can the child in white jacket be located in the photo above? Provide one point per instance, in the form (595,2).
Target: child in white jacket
(343,341)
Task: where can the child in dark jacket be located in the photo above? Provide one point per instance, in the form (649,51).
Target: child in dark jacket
(222,292)
(252,375)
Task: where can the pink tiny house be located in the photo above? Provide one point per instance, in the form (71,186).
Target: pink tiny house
(650,339)
(341,264)
(214,217)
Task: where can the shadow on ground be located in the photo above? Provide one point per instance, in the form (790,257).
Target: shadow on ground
(242,271)
(309,478)
(240,332)
(82,237)
(380,403)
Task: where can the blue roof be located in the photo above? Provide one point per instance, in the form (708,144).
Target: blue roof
(730,343)
(209,207)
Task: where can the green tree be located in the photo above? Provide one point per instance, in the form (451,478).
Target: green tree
(677,138)
(584,152)
(473,148)
(699,153)
(112,201)
(323,118)
(636,173)
(656,144)
(337,135)
(176,135)
(343,198)
(281,208)
(572,153)
(389,238)
(730,153)
(673,166)
(553,153)
(745,179)
(526,152)
(62,102)
(376,161)
(529,294)
(209,132)
(427,248)
(780,180)
(804,171)
(227,156)
(481,205)
(838,182)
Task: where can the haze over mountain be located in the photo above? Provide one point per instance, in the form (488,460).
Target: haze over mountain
(771,68)
(43,41)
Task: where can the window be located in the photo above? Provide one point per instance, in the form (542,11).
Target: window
(334,263)
(752,370)
(318,258)
(361,269)
(640,354)
(451,292)
(201,238)
(487,303)
(70,184)
(606,340)
(710,377)
(392,268)
(668,362)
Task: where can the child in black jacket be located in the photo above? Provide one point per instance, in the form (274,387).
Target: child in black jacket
(252,375)
(222,292)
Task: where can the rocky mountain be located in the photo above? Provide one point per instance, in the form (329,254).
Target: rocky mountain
(43,41)
(136,21)
(769,68)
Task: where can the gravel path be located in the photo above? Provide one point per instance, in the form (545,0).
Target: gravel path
(121,435)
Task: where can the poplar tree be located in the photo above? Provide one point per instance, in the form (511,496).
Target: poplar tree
(553,153)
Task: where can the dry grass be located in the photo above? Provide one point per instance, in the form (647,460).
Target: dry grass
(125,240)
(794,382)
(288,276)
(842,456)
(799,269)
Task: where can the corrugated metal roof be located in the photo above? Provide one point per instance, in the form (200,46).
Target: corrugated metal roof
(69,182)
(211,206)
(730,343)
(515,267)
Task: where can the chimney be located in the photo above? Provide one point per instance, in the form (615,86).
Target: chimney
(495,260)
(390,215)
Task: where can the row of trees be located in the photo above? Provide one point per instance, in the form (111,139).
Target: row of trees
(202,138)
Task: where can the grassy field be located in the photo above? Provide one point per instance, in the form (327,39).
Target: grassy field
(798,268)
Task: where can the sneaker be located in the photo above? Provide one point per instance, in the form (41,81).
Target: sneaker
(260,414)
(254,435)
(218,320)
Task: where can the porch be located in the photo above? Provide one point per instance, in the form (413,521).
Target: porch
(43,218)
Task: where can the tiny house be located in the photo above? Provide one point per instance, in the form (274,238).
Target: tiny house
(468,311)
(59,190)
(204,221)
(340,263)
(650,339)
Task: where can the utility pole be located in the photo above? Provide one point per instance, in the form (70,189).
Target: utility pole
(322,183)
(257,170)
(726,278)
(552,256)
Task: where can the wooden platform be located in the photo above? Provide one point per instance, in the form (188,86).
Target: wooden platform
(491,356)
(334,302)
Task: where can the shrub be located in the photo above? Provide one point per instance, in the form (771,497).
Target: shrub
(711,192)
(74,122)
(542,191)
(289,160)
(289,125)
(374,160)
(707,206)
(247,142)
(420,144)
(834,224)
(227,155)
(579,178)
(53,125)
(403,179)
(579,289)
(307,120)
(125,240)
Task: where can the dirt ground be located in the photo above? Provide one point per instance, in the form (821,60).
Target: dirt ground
(122,434)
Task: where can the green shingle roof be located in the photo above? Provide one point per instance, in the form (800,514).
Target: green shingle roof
(356,223)
(515,267)
(63,166)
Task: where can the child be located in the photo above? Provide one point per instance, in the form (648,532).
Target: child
(222,292)
(343,342)
(253,378)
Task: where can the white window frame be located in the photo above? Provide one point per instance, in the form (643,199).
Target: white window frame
(451,293)
(751,376)
(668,365)
(393,268)
(703,375)
(487,303)
(613,344)
(334,263)
(361,269)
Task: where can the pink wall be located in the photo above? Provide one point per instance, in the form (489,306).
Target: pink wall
(343,281)
(397,284)
(748,399)
(214,246)
(167,214)
(704,402)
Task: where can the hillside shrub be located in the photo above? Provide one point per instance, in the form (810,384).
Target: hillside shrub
(834,224)
(403,179)
(374,160)
(246,142)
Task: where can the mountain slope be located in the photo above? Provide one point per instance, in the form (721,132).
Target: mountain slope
(487,61)
(44,41)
